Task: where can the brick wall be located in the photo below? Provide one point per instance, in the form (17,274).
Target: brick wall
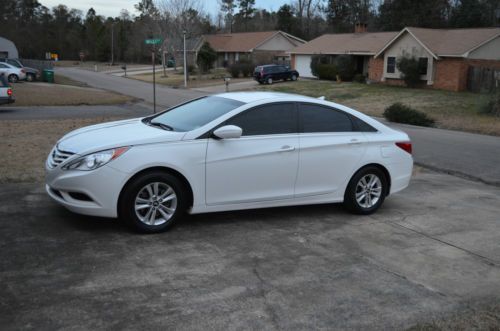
(484,63)
(375,69)
(451,74)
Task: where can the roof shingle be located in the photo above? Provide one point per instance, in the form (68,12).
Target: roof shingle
(367,43)
(237,42)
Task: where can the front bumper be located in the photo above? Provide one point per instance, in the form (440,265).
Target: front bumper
(92,193)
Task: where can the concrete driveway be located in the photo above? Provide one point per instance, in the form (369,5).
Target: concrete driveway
(431,251)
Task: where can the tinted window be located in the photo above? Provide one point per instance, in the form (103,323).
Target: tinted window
(314,118)
(391,65)
(14,63)
(196,113)
(269,119)
(362,125)
(3,65)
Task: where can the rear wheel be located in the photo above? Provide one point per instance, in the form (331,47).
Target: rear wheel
(269,80)
(153,202)
(366,191)
(13,78)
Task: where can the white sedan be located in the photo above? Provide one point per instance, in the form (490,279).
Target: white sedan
(13,74)
(226,152)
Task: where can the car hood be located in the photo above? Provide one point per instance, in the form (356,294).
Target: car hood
(114,134)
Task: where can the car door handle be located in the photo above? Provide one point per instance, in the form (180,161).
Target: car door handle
(287,148)
(355,142)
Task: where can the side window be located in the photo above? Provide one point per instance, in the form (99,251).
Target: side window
(315,118)
(391,65)
(2,65)
(279,118)
(362,126)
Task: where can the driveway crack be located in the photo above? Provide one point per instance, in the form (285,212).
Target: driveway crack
(263,293)
(483,258)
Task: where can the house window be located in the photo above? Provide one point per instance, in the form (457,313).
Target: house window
(391,65)
(237,57)
(422,65)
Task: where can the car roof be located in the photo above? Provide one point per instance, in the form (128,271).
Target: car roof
(248,97)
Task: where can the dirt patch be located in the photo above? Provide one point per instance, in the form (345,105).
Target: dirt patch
(44,94)
(27,143)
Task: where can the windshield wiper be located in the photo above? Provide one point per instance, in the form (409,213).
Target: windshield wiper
(160,125)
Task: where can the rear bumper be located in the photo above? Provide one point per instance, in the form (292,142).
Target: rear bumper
(4,101)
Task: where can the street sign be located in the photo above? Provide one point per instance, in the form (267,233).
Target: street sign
(153,41)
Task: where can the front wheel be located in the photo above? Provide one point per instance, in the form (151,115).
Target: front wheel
(153,202)
(13,78)
(366,191)
(30,78)
(294,77)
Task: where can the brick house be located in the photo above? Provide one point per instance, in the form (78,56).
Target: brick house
(445,54)
(260,47)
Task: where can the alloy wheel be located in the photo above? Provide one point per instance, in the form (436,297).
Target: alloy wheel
(368,191)
(155,204)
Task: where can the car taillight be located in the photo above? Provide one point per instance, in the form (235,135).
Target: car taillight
(261,72)
(9,92)
(405,146)
(22,70)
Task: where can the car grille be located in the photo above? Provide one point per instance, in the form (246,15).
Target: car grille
(58,156)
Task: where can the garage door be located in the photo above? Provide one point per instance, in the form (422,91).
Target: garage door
(303,65)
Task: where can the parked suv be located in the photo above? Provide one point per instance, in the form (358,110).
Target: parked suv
(5,91)
(13,74)
(32,74)
(272,72)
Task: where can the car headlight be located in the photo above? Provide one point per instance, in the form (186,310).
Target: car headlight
(95,160)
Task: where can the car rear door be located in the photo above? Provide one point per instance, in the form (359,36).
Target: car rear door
(330,149)
(262,164)
(4,69)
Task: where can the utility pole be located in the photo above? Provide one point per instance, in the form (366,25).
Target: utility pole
(113,43)
(185,60)
(154,78)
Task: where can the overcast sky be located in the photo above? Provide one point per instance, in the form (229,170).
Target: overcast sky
(113,7)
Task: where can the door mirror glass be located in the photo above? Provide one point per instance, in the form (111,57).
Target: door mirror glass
(228,131)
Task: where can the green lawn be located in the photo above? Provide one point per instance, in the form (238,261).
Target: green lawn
(451,110)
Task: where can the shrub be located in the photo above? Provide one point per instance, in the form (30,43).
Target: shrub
(401,113)
(491,104)
(410,70)
(316,61)
(326,71)
(345,67)
(246,67)
(234,69)
(206,57)
(359,78)
(190,69)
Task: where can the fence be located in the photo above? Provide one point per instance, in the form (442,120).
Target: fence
(480,79)
(38,64)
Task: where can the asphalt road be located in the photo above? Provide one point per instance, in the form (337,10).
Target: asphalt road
(421,257)
(165,96)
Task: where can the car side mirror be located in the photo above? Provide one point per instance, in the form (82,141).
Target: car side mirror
(228,131)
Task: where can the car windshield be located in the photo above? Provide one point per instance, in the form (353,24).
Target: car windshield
(194,114)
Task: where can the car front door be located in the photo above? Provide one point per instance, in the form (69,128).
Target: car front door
(262,164)
(330,149)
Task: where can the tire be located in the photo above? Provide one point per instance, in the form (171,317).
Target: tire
(13,78)
(294,77)
(140,194)
(269,80)
(356,199)
(30,78)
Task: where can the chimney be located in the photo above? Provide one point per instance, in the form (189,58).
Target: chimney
(360,27)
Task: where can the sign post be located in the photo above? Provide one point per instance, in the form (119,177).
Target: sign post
(153,42)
